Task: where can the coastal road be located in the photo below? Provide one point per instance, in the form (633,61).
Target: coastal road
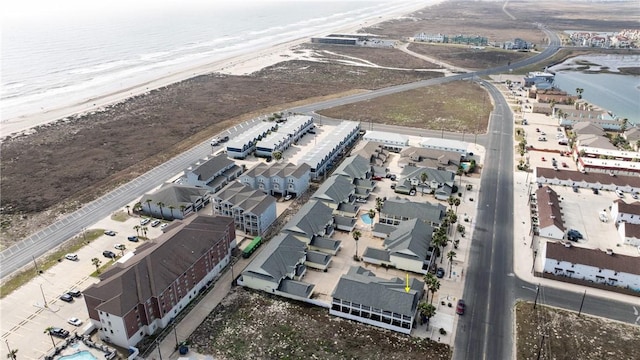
(485,331)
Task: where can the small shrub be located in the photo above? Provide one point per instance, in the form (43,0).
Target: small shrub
(443,331)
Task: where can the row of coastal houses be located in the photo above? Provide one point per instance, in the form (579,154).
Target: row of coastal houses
(307,242)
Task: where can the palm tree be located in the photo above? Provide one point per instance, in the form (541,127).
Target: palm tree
(171,207)
(96,262)
(427,311)
(148,201)
(137,229)
(128,207)
(277,155)
(450,256)
(428,279)
(379,203)
(356,236)
(137,206)
(451,201)
(144,230)
(625,124)
(579,91)
(182,209)
(12,353)
(372,214)
(433,286)
(122,249)
(160,205)
(456,203)
(48,331)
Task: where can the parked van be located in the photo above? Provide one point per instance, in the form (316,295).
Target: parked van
(620,194)
(603,216)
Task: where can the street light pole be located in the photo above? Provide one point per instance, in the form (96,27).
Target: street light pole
(582,302)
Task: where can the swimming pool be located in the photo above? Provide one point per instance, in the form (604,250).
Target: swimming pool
(366,219)
(81,355)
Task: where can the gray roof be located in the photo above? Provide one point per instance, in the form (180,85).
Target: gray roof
(311,219)
(426,211)
(325,243)
(318,257)
(361,286)
(350,208)
(175,195)
(244,197)
(297,288)
(383,228)
(378,254)
(280,169)
(279,257)
(294,123)
(411,239)
(336,189)
(345,221)
(440,176)
(354,167)
(211,167)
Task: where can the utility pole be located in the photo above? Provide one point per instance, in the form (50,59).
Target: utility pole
(535,302)
(36,264)
(582,302)
(84,237)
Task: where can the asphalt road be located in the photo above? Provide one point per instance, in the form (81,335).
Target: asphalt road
(485,332)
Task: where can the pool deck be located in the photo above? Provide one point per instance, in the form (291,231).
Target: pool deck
(73,346)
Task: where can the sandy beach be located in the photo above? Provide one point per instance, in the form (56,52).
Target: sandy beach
(238,65)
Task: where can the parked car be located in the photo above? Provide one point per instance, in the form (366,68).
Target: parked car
(74,321)
(537,129)
(132,238)
(66,297)
(288,197)
(119,246)
(145,221)
(224,139)
(110,233)
(575,189)
(215,141)
(440,273)
(58,332)
(574,233)
(155,223)
(375,177)
(72,257)
(109,254)
(74,293)
(635,196)
(460,308)
(620,194)
(595,191)
(164,225)
(564,164)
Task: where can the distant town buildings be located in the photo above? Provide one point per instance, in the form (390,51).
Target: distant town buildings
(627,38)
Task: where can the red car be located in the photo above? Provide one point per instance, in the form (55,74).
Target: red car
(377,178)
(543,159)
(564,164)
(460,307)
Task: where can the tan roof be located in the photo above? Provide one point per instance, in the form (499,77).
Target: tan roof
(549,213)
(593,257)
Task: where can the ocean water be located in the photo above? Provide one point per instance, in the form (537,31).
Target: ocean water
(53,59)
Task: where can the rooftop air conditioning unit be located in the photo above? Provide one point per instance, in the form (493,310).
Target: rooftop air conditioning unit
(609,252)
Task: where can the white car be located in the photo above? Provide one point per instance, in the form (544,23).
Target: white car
(288,197)
(145,221)
(74,321)
(620,194)
(215,141)
(164,225)
(155,223)
(72,257)
(120,247)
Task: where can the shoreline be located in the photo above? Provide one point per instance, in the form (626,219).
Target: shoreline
(242,64)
